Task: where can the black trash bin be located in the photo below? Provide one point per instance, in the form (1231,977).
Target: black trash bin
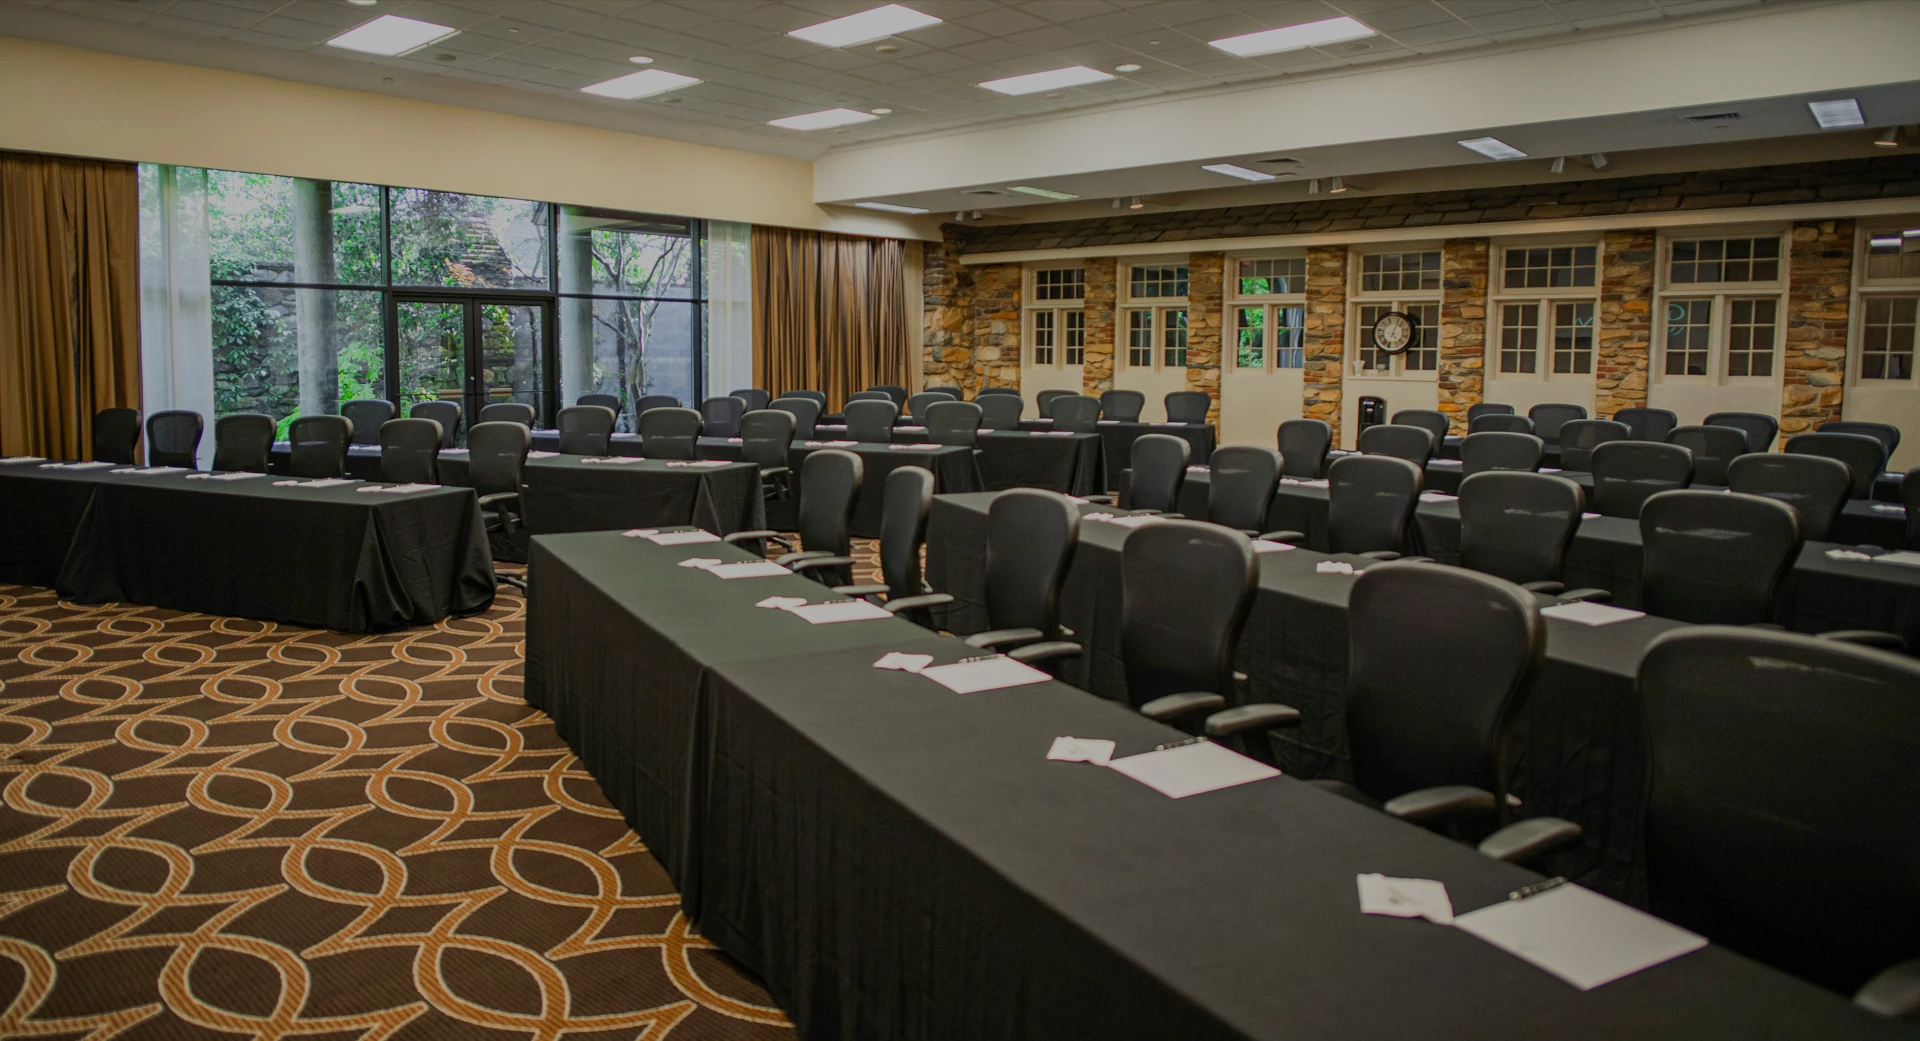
(1373,412)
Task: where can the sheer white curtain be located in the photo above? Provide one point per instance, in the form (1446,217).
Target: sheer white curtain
(729,306)
(176,297)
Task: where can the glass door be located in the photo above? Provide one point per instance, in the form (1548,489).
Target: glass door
(477,351)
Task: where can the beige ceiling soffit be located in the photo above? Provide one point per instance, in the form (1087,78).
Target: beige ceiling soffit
(1569,225)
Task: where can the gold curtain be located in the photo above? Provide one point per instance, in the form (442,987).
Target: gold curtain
(69,300)
(829,312)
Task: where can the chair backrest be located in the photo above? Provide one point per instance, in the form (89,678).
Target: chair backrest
(410,451)
(1241,487)
(952,422)
(829,486)
(999,411)
(754,397)
(368,415)
(1910,498)
(805,413)
(720,417)
(1550,417)
(1439,662)
(1499,422)
(1414,444)
(1711,558)
(670,433)
(1044,402)
(1031,536)
(871,395)
(1188,406)
(1304,444)
(766,435)
(1865,456)
(1885,433)
(895,394)
(1487,408)
(1159,468)
(1370,501)
(1781,801)
(508,412)
(116,436)
(648,401)
(871,419)
(319,446)
(1815,486)
(985,391)
(1761,428)
(918,404)
(445,413)
(952,392)
(1494,450)
(496,451)
(609,401)
(1627,473)
(817,397)
(1436,423)
(1647,424)
(1712,447)
(173,438)
(1185,590)
(1579,437)
(243,442)
(905,504)
(1123,405)
(586,429)
(1518,525)
(1077,413)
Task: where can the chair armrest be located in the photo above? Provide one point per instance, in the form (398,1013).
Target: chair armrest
(918,603)
(1589,594)
(1287,536)
(1867,638)
(775,471)
(1257,716)
(1103,500)
(1047,650)
(1179,706)
(748,536)
(1410,560)
(511,580)
(1440,803)
(866,590)
(993,638)
(1523,842)
(1381,554)
(1544,587)
(807,563)
(1894,993)
(787,560)
(499,497)
(1169,516)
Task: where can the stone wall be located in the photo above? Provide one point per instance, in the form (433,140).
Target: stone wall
(1206,303)
(1623,332)
(994,321)
(1463,327)
(1820,279)
(1096,373)
(946,290)
(1324,335)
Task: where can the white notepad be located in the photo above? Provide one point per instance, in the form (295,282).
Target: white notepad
(74,466)
(781,603)
(698,464)
(617,460)
(1579,935)
(1438,497)
(1097,751)
(1405,898)
(153,470)
(541,455)
(903,662)
(8,461)
(1270,546)
(831,444)
(914,448)
(1585,612)
(325,482)
(849,611)
(971,677)
(235,476)
(681,538)
(748,569)
(1191,769)
(1132,522)
(1904,558)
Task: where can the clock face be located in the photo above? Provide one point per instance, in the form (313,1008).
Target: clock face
(1396,332)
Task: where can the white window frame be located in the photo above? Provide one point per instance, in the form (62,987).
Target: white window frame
(1155,308)
(1720,296)
(1397,300)
(1269,303)
(1545,298)
(1866,288)
(1059,310)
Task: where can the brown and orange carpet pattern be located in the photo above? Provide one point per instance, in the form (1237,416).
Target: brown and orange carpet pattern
(215,828)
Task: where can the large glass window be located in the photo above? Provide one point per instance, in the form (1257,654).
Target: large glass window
(1056,325)
(1543,311)
(469,241)
(1708,335)
(1399,272)
(627,326)
(1887,337)
(1266,307)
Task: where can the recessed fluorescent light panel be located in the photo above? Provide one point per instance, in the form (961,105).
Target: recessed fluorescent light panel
(390,35)
(1238,171)
(833,117)
(1493,148)
(640,84)
(1035,82)
(1833,115)
(1293,37)
(889,207)
(866,26)
(1044,193)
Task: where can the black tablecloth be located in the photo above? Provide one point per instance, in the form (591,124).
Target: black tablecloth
(328,557)
(363,461)
(1118,437)
(566,493)
(899,862)
(1070,464)
(952,465)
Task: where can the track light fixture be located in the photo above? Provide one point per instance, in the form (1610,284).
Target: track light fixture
(1135,203)
(1889,138)
(1336,186)
(1559,165)
(1313,186)
(1599,160)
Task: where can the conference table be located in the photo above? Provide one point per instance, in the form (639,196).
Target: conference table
(349,556)
(596,493)
(1118,436)
(952,467)
(898,861)
(363,461)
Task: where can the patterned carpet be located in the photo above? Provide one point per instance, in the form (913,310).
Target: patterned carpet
(217,828)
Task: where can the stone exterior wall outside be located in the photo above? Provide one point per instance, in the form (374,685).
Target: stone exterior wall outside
(1324,335)
(1463,327)
(1820,275)
(1096,373)
(1206,304)
(1623,328)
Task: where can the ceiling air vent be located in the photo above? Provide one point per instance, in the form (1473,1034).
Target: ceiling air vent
(1711,117)
(1285,160)
(981,191)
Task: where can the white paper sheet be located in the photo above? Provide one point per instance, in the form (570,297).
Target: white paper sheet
(781,603)
(912,429)
(22,459)
(736,440)
(1053,433)
(1405,898)
(748,569)
(903,662)
(915,448)
(1133,522)
(1191,769)
(1587,613)
(409,489)
(971,677)
(1848,554)
(1270,546)
(541,455)
(1549,470)
(698,464)
(847,611)
(699,562)
(1081,750)
(1588,515)
(236,476)
(1335,567)
(1438,497)
(831,444)
(1904,558)
(73,466)
(1887,507)
(681,538)
(1579,935)
(152,470)
(616,460)
(325,482)
(455,453)
(1320,483)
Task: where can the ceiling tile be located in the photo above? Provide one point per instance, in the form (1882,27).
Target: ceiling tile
(1002,21)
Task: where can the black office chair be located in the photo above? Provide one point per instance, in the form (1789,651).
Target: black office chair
(1159,469)
(1627,473)
(953,393)
(918,404)
(1044,402)
(755,398)
(1439,664)
(1885,433)
(1370,504)
(1781,805)
(319,446)
(999,411)
(870,420)
(906,502)
(1242,482)
(1865,456)
(1816,487)
(871,395)
(766,435)
(805,413)
(1188,406)
(1304,444)
(720,417)
(670,433)
(952,422)
(987,391)
(1031,536)
(1123,405)
(1713,448)
(829,485)
(895,394)
(607,401)
(653,401)
(410,451)
(1488,408)
(1435,423)
(116,436)
(445,413)
(1910,498)
(814,396)
(1647,424)
(1761,429)
(1712,558)
(173,438)
(1519,526)
(1549,418)
(1500,423)
(496,453)
(1492,450)
(1579,437)
(243,443)
(586,429)
(368,415)
(1412,443)
(507,412)
(1075,413)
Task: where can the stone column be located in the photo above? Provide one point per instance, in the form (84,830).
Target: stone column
(576,316)
(995,319)
(1819,284)
(1205,307)
(945,299)
(1324,335)
(1463,328)
(1623,330)
(1096,374)
(315,320)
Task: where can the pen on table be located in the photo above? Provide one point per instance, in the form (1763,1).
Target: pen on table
(1537,888)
